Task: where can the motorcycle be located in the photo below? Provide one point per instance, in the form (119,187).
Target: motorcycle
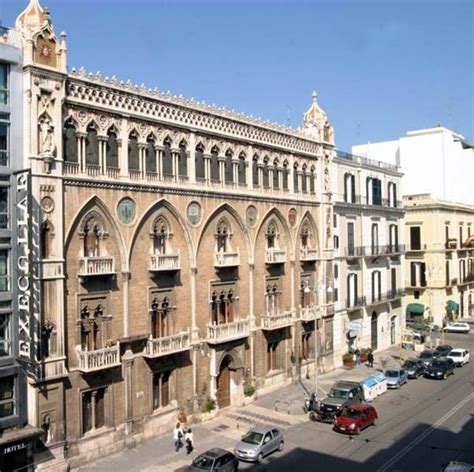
(310,403)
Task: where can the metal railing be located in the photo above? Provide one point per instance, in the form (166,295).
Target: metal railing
(157,347)
(353,251)
(90,361)
(163,262)
(355,303)
(275,256)
(218,333)
(226,259)
(97,265)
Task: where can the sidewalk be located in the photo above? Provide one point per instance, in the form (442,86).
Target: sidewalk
(283,407)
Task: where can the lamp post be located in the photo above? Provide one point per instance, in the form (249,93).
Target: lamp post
(328,290)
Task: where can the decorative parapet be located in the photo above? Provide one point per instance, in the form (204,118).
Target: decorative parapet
(308,254)
(219,333)
(99,359)
(91,266)
(309,313)
(275,256)
(164,262)
(282,320)
(157,347)
(226,259)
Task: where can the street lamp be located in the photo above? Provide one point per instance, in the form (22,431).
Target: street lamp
(329,290)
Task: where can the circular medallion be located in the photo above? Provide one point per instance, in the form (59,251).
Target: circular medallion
(47,204)
(194,213)
(252,214)
(126,210)
(292,216)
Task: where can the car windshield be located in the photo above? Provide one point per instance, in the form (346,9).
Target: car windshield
(426,355)
(252,438)
(392,373)
(336,393)
(409,364)
(203,462)
(438,364)
(455,354)
(351,413)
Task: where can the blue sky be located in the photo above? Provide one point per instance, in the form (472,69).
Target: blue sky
(380,67)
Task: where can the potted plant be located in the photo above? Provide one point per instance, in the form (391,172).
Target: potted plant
(348,359)
(364,353)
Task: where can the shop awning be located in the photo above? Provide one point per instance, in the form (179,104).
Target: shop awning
(452,306)
(416,308)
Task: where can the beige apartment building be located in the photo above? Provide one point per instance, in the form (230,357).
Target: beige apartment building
(369,254)
(183,252)
(439,269)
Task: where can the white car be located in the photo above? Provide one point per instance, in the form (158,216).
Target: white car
(457,328)
(459,356)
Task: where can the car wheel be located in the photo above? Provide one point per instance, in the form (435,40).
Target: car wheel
(260,458)
(281,446)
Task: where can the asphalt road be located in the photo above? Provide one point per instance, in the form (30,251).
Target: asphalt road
(422,426)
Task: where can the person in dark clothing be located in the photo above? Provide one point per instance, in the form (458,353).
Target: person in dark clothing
(370,359)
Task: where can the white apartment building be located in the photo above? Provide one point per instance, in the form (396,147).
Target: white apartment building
(369,253)
(435,161)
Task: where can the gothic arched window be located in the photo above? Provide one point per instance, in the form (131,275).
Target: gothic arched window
(242,176)
(199,162)
(150,154)
(161,235)
(228,171)
(276,180)
(70,142)
(111,153)
(304,186)
(92,146)
(285,175)
(266,182)
(160,314)
(305,236)
(93,233)
(255,171)
(182,160)
(133,154)
(215,177)
(222,236)
(271,235)
(167,158)
(47,234)
(295,178)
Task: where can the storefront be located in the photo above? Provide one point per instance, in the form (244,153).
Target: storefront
(17,449)
(415,312)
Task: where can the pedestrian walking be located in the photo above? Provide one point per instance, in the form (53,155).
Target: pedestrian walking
(189,440)
(178,437)
(357,354)
(370,359)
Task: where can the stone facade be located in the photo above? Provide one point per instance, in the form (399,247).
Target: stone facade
(183,252)
(369,254)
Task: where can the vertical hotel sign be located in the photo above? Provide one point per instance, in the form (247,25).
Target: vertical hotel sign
(26,283)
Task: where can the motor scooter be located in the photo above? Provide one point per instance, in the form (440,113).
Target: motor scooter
(310,403)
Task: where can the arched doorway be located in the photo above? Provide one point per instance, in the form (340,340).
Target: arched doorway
(374,331)
(393,330)
(223,383)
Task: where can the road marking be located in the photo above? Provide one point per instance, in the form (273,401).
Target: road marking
(426,433)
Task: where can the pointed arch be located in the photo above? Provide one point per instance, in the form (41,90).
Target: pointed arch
(276,213)
(95,203)
(214,215)
(156,206)
(307,219)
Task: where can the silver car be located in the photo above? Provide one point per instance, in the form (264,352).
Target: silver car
(258,443)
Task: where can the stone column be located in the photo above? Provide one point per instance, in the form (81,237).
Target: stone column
(127,361)
(221,161)
(126,278)
(291,181)
(174,163)
(260,175)
(235,172)
(81,151)
(102,140)
(248,169)
(271,169)
(280,178)
(192,159)
(207,168)
(123,150)
(194,326)
(292,282)
(159,162)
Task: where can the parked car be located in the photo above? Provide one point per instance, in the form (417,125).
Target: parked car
(440,368)
(428,357)
(444,350)
(258,443)
(215,460)
(456,466)
(342,393)
(459,356)
(396,377)
(353,419)
(458,327)
(414,368)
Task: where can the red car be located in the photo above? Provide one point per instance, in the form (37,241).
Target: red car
(355,418)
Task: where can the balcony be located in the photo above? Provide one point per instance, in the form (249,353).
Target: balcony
(393,249)
(226,259)
(466,280)
(275,256)
(282,320)
(308,255)
(353,251)
(356,303)
(417,248)
(221,333)
(93,266)
(164,262)
(99,359)
(309,313)
(157,347)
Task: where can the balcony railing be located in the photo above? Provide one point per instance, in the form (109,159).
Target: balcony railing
(353,251)
(277,321)
(355,303)
(93,170)
(4,155)
(99,359)
(157,347)
(275,256)
(308,254)
(420,248)
(113,172)
(164,262)
(466,279)
(89,266)
(309,313)
(71,168)
(226,259)
(220,333)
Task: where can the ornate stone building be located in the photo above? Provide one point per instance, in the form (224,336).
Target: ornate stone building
(186,252)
